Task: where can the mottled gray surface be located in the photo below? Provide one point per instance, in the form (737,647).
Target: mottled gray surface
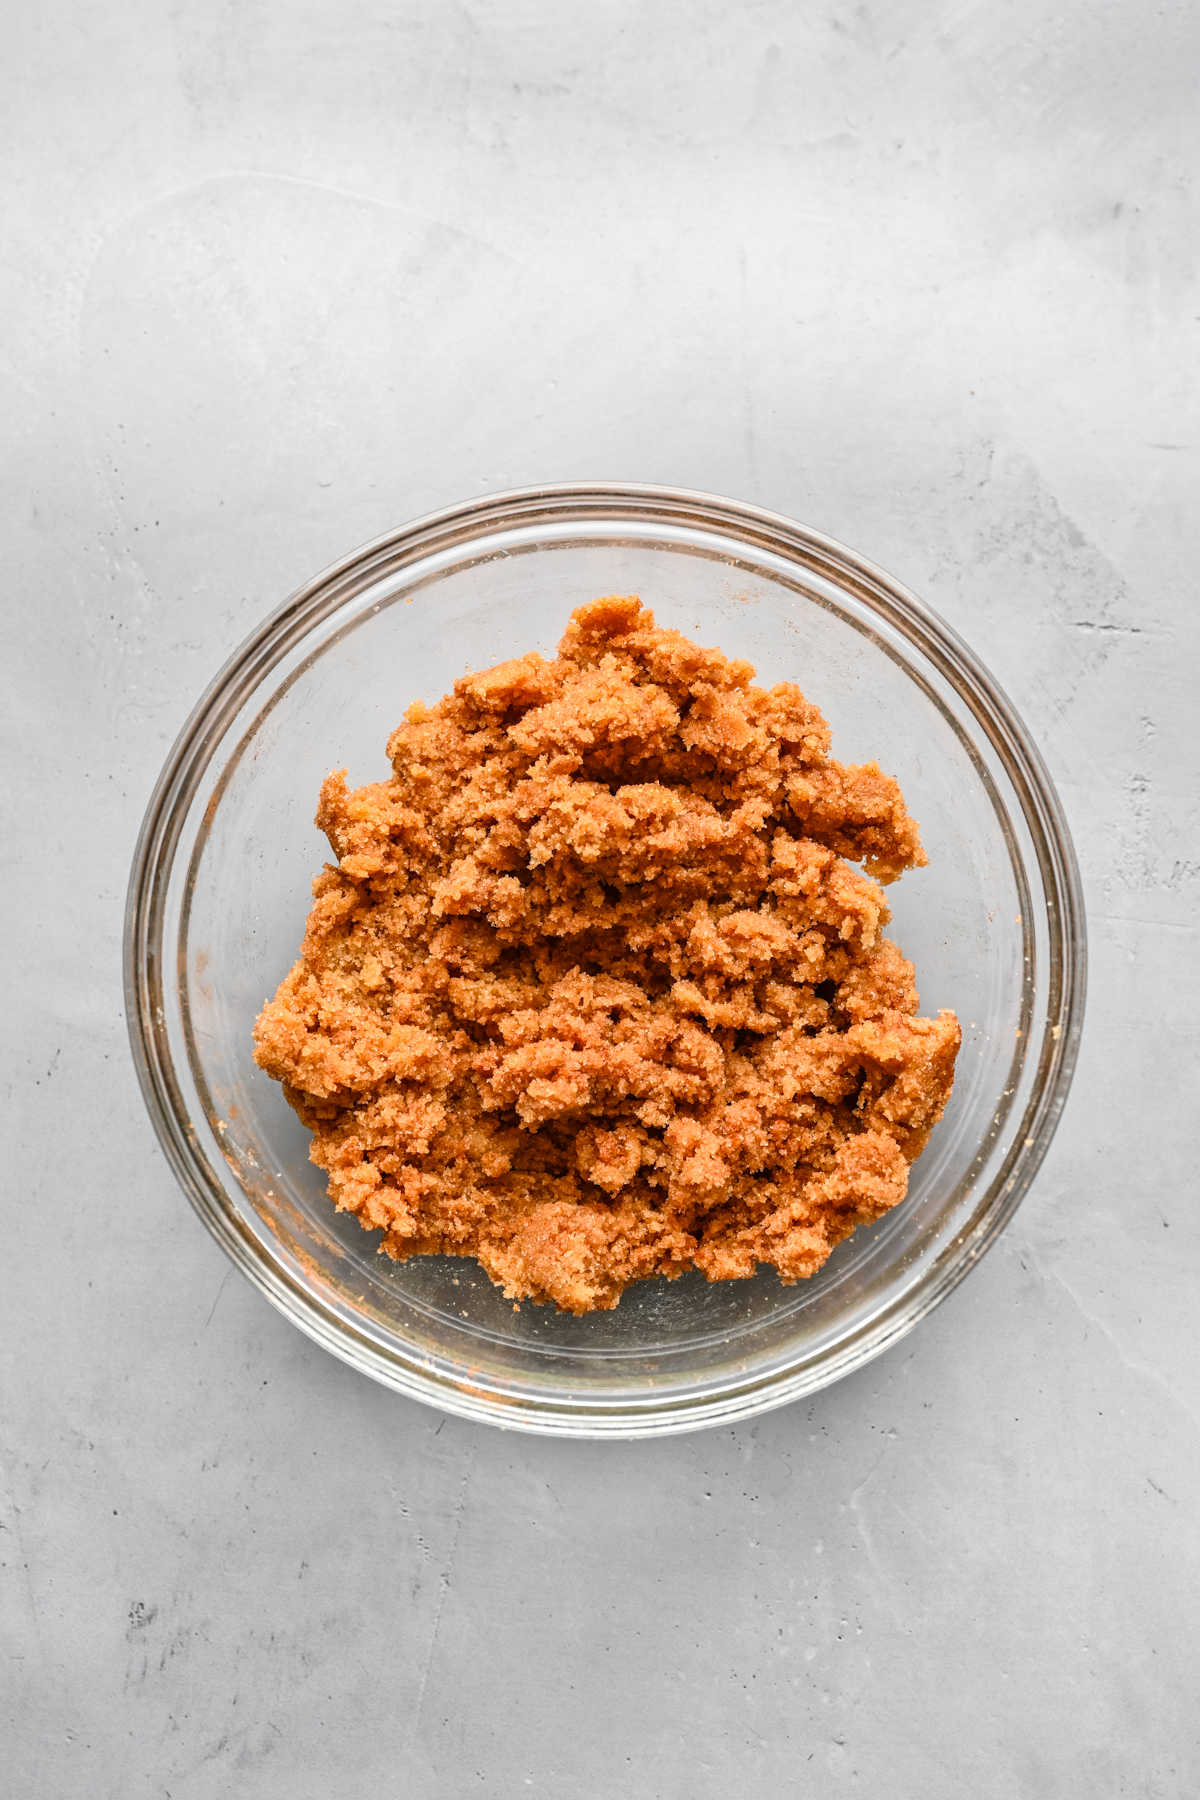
(278,277)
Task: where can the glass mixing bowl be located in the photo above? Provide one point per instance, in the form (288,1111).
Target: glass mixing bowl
(220,890)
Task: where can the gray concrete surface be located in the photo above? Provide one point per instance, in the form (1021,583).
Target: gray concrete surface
(278,276)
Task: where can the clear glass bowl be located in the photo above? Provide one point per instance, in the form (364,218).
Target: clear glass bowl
(220,890)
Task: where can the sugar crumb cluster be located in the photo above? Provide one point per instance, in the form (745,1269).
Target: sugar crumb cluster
(596,989)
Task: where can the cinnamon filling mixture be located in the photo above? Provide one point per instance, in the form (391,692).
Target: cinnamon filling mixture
(594,991)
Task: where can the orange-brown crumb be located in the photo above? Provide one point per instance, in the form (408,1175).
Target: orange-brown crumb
(594,993)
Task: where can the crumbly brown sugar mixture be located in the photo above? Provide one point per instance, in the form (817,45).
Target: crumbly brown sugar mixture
(594,991)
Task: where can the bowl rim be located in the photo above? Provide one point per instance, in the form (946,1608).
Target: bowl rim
(144,959)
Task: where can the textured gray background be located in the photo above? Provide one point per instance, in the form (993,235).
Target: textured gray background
(278,277)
